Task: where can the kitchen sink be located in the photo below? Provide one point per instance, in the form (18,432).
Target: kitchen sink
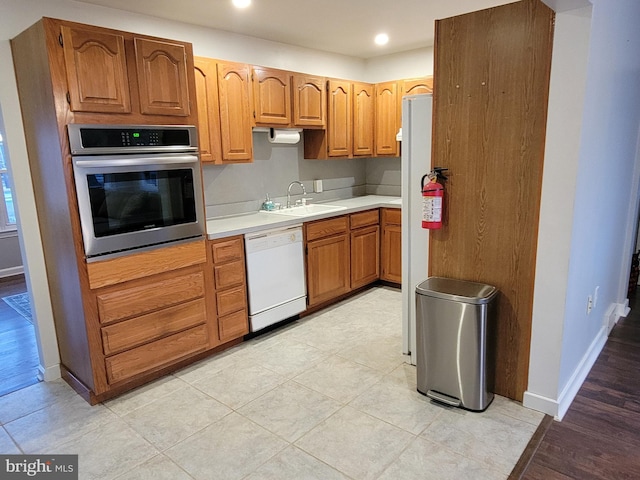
(307,210)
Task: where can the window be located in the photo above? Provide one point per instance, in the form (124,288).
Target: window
(7,210)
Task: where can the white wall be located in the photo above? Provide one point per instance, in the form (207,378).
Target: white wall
(602,226)
(17,15)
(410,64)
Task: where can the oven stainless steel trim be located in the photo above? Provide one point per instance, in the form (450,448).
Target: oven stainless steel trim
(76,147)
(99,248)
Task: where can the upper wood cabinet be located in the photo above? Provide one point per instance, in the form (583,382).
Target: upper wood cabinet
(101,79)
(309,100)
(96,69)
(363,119)
(339,122)
(387,119)
(162,77)
(417,86)
(271,96)
(206,76)
(235,113)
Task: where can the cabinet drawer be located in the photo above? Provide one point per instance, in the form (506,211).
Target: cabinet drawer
(132,302)
(156,354)
(363,219)
(324,228)
(392,216)
(232,300)
(135,332)
(229,274)
(233,326)
(227,250)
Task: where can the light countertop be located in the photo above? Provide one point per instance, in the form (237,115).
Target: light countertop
(219,227)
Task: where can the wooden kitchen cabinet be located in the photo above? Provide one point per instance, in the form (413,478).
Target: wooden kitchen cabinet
(309,100)
(271,96)
(235,113)
(363,119)
(104,68)
(339,133)
(231,287)
(328,259)
(417,86)
(391,245)
(387,119)
(206,78)
(365,248)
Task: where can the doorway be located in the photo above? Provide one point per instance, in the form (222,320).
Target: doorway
(19,358)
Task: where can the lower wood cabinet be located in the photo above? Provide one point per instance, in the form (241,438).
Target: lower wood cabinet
(365,248)
(391,245)
(328,259)
(231,287)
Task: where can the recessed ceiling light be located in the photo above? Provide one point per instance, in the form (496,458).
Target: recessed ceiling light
(381,39)
(241,3)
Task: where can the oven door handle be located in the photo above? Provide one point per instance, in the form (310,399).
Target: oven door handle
(131,162)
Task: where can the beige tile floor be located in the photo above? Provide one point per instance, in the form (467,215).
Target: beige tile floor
(327,397)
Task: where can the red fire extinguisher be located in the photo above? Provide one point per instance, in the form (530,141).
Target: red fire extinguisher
(433,199)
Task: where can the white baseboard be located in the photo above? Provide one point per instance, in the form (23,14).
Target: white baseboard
(558,408)
(10,272)
(50,373)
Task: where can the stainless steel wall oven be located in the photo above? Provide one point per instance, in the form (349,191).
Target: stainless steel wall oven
(137,186)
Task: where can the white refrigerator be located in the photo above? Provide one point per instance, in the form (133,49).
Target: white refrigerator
(416,161)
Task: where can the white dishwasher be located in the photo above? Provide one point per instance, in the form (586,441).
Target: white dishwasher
(275,276)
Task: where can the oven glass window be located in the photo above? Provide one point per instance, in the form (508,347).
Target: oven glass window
(130,202)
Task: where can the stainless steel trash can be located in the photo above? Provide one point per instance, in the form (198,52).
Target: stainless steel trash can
(454,323)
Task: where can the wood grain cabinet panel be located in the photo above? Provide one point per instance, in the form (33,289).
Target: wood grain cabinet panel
(271,96)
(226,250)
(328,268)
(391,251)
(363,119)
(132,333)
(387,119)
(163,81)
(121,303)
(155,355)
(96,70)
(233,325)
(231,300)
(206,78)
(324,228)
(363,219)
(229,274)
(309,100)
(235,112)
(365,256)
(339,122)
(417,86)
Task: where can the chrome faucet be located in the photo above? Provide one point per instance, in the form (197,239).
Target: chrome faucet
(304,192)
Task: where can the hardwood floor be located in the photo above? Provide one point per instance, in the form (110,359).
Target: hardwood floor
(599,437)
(18,349)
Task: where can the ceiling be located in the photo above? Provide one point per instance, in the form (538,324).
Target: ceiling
(340,26)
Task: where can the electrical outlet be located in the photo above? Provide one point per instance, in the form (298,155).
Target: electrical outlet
(317,186)
(589,304)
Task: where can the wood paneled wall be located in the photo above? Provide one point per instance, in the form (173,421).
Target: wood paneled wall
(491,81)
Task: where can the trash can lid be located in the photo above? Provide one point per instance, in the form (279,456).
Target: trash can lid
(457,290)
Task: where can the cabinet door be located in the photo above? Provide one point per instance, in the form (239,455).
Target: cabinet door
(271,96)
(339,123)
(392,253)
(96,70)
(235,115)
(208,110)
(365,256)
(163,82)
(387,118)
(309,100)
(417,86)
(363,115)
(328,268)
